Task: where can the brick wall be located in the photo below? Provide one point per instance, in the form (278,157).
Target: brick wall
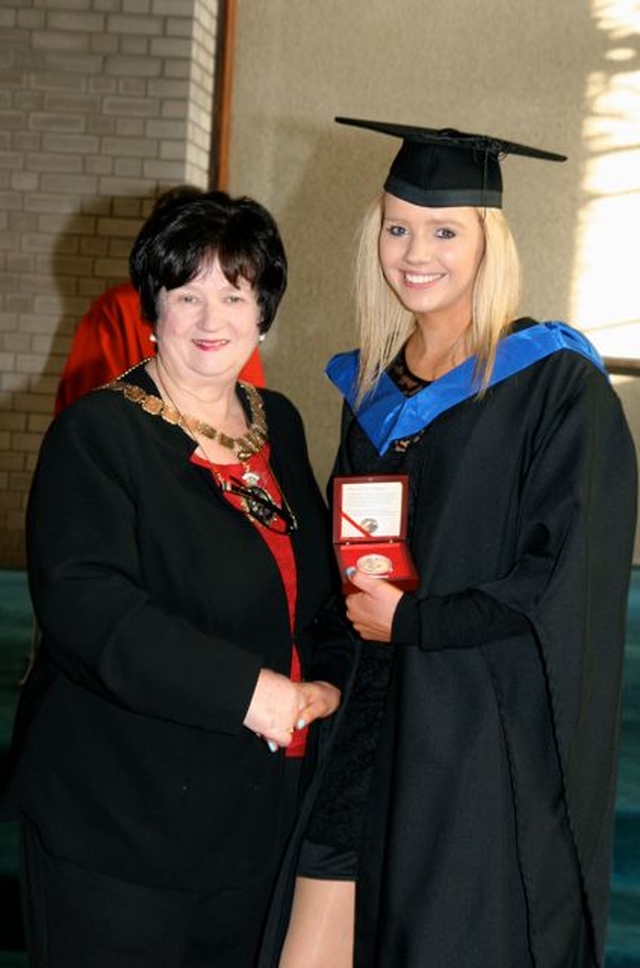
(103,104)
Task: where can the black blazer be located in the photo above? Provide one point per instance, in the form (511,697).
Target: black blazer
(159,604)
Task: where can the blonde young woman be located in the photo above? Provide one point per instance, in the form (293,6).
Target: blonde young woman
(465,817)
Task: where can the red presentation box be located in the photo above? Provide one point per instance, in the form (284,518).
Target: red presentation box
(370,528)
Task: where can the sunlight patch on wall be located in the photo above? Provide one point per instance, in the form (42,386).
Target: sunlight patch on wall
(606,284)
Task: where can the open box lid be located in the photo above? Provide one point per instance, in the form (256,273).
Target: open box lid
(370,508)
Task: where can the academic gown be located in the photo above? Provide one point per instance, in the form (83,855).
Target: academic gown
(489,823)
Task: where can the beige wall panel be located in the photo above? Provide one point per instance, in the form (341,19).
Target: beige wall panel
(532,72)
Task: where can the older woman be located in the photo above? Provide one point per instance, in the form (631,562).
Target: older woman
(180,572)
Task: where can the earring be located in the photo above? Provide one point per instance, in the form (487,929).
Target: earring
(261,337)
(153,338)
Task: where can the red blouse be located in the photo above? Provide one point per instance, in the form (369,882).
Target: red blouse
(279,545)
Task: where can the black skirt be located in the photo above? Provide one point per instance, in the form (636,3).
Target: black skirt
(331,846)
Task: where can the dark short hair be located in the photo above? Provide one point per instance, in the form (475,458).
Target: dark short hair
(177,193)
(186,233)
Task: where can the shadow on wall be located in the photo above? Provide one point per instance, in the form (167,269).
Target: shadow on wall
(319,220)
(89,253)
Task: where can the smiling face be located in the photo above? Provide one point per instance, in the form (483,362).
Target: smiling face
(207,328)
(430,257)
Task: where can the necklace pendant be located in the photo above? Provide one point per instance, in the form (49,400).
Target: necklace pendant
(251,478)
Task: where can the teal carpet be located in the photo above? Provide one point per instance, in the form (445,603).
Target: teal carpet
(623,947)
(16,630)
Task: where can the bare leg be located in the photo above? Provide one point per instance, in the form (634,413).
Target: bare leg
(321,926)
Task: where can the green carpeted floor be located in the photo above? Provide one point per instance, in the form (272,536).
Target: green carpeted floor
(623,948)
(16,629)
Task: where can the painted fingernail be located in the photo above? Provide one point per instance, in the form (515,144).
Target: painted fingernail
(272,746)
(351,570)
(301,724)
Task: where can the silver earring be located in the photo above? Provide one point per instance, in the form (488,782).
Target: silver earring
(153,338)
(261,337)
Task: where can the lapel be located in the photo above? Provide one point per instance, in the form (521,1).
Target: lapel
(386,414)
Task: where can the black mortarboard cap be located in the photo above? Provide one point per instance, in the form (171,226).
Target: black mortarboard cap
(444,168)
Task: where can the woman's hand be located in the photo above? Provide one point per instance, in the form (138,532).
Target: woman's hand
(371,609)
(279,706)
(322,699)
(275,708)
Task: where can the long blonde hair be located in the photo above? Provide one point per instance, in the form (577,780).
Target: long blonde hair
(384,325)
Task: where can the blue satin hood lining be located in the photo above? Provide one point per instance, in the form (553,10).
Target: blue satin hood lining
(386,414)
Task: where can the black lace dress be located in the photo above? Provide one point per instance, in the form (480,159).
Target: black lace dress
(330,850)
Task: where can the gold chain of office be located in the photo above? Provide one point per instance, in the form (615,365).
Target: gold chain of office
(243,447)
